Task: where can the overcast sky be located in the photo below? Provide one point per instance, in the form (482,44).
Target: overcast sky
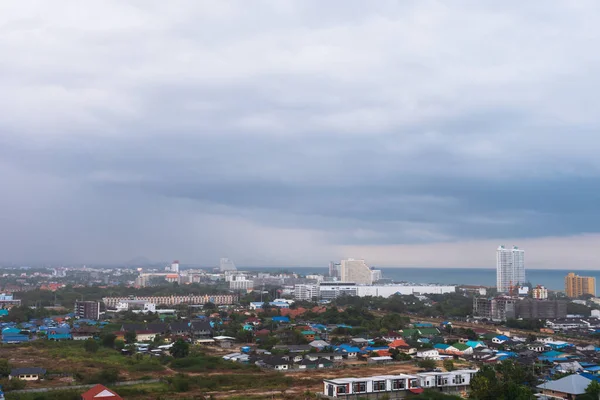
(409,133)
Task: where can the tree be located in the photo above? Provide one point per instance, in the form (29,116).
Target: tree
(91,346)
(108,340)
(180,349)
(592,392)
(426,364)
(130,337)
(119,345)
(449,364)
(4,367)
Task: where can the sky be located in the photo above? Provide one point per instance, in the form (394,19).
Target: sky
(409,133)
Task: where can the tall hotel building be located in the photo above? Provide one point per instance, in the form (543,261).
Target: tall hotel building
(510,268)
(576,285)
(356,271)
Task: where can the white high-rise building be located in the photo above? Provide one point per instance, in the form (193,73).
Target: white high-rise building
(356,271)
(226,264)
(510,268)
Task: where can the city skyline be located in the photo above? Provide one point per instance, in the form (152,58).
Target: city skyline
(403,133)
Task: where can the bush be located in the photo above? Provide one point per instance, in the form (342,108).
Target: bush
(91,346)
(449,364)
(179,383)
(106,376)
(426,364)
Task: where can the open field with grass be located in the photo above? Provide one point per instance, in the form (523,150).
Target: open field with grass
(197,376)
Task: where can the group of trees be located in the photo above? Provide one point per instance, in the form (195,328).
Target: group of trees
(448,305)
(504,381)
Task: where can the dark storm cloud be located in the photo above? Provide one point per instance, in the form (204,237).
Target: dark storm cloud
(206,129)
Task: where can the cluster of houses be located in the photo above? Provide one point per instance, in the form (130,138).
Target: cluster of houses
(59,329)
(198,329)
(49,328)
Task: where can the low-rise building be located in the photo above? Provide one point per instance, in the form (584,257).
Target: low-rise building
(454,381)
(27,374)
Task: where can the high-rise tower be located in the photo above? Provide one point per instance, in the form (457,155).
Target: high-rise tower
(510,268)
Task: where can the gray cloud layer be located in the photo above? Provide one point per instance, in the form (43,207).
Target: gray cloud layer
(291,132)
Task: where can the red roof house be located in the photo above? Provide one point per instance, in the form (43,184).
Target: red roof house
(100,392)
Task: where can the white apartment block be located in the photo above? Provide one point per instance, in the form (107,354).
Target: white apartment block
(356,271)
(331,290)
(197,299)
(510,268)
(398,385)
(306,291)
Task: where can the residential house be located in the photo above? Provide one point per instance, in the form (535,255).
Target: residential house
(568,367)
(131,327)
(100,392)
(568,387)
(14,335)
(27,374)
(159,328)
(537,347)
(179,328)
(500,339)
(459,349)
(474,344)
(293,348)
(145,335)
(429,354)
(59,334)
(324,363)
(319,344)
(84,332)
(337,357)
(277,363)
(201,329)
(308,335)
(348,351)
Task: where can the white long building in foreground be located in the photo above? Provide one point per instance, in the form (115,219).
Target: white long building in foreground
(332,290)
(397,386)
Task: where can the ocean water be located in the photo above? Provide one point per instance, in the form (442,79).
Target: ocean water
(553,279)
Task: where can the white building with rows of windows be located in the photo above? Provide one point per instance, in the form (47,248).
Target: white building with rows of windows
(396,386)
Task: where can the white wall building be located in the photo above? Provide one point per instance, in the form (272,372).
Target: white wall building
(225,264)
(306,291)
(331,290)
(239,281)
(376,275)
(540,292)
(140,305)
(390,290)
(510,268)
(356,271)
(454,382)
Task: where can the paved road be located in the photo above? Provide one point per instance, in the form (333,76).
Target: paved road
(77,387)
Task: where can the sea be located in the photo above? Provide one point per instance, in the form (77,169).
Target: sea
(552,279)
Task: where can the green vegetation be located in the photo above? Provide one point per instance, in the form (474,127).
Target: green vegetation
(448,364)
(204,363)
(180,349)
(91,345)
(505,381)
(426,364)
